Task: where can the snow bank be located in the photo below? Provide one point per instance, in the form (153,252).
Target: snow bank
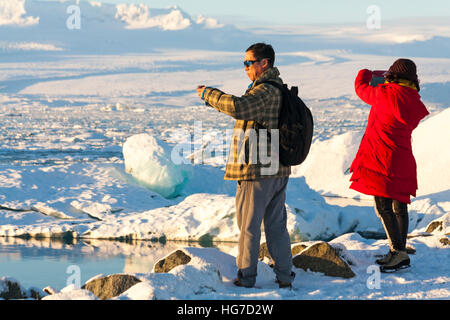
(326,169)
(431,150)
(12,13)
(71,292)
(149,161)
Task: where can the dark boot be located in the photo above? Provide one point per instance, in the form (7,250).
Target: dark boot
(401,214)
(399,260)
(240,283)
(385,259)
(383,207)
(286,285)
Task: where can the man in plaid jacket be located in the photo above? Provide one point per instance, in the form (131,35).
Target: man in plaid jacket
(261,183)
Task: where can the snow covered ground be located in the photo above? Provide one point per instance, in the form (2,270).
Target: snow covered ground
(70,99)
(210,273)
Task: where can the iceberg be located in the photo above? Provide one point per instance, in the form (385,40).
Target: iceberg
(149,161)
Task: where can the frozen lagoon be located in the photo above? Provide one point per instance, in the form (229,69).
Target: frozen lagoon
(62,172)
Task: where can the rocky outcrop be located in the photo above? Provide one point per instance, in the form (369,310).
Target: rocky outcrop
(321,257)
(110,286)
(173,260)
(445,241)
(264,252)
(440,225)
(297,248)
(434,226)
(11,289)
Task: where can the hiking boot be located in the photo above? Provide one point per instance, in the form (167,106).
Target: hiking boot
(410,250)
(399,260)
(286,285)
(238,283)
(386,258)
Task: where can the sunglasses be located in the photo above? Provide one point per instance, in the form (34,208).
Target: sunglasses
(248,63)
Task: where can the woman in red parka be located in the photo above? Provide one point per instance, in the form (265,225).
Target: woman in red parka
(384,165)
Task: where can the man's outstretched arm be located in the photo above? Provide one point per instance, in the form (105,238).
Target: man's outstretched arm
(247,107)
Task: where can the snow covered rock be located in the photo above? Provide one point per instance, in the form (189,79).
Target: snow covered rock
(110,286)
(445,241)
(183,282)
(223,262)
(440,226)
(193,272)
(317,257)
(321,257)
(199,278)
(173,260)
(71,292)
(12,289)
(264,254)
(296,248)
(149,161)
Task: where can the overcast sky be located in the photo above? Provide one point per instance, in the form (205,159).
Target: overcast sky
(301,11)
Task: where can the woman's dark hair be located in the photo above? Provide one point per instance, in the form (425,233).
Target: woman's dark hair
(263,51)
(403,69)
(395,78)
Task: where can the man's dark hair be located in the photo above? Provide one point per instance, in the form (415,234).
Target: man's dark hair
(263,51)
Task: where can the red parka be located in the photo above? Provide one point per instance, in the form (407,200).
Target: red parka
(384,165)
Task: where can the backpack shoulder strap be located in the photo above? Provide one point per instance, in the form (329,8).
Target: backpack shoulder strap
(273,83)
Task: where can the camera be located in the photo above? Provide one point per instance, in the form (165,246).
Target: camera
(377,77)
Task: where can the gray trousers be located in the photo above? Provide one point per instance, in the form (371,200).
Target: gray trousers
(258,201)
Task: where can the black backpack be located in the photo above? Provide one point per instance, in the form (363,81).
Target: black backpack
(295,126)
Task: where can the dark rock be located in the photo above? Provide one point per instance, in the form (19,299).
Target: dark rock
(173,260)
(372,235)
(13,290)
(264,252)
(321,257)
(445,241)
(297,248)
(34,293)
(111,286)
(434,226)
(206,240)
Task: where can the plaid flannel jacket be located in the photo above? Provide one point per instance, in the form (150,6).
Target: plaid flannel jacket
(258,107)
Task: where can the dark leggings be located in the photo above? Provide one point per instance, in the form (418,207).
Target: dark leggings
(394,216)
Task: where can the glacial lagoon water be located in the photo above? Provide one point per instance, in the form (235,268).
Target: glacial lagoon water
(47,262)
